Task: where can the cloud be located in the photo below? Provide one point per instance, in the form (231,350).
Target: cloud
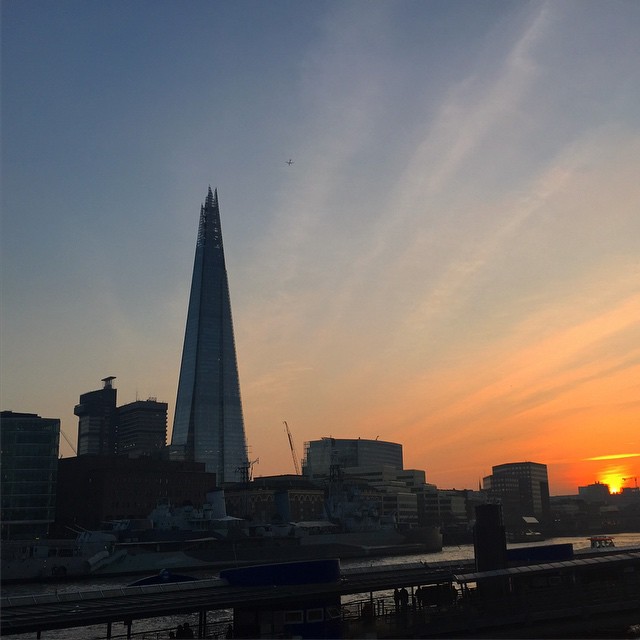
(615,456)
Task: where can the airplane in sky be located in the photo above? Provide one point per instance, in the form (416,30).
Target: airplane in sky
(289,162)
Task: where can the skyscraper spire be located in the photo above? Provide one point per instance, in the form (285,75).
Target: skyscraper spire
(208,424)
(212,200)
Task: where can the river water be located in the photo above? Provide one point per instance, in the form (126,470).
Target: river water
(158,628)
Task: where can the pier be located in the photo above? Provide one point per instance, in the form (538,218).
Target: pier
(22,614)
(571,593)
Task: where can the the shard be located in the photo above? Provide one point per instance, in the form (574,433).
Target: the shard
(208,424)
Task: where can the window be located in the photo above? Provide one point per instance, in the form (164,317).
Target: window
(315,615)
(333,613)
(293,617)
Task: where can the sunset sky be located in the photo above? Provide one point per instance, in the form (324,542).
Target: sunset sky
(452,262)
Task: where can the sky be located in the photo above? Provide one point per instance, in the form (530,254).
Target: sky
(452,261)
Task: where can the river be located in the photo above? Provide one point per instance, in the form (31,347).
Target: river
(158,628)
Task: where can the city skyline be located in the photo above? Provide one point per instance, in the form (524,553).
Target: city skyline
(450,262)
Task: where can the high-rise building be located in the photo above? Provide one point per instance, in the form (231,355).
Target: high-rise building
(142,428)
(523,489)
(208,424)
(97,420)
(29,464)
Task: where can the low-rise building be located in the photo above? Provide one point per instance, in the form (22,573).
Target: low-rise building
(286,498)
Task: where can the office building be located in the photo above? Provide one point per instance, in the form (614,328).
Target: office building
(328,456)
(208,424)
(523,490)
(29,463)
(142,428)
(97,420)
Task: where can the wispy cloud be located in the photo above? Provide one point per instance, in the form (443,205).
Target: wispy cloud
(615,456)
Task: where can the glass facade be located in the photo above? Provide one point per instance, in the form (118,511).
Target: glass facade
(321,455)
(142,428)
(29,474)
(208,424)
(523,488)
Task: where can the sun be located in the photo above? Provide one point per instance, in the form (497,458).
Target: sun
(613,479)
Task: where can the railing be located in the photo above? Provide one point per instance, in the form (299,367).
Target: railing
(214,631)
(382,616)
(114,592)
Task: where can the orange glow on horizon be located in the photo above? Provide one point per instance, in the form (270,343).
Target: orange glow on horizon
(614,483)
(616,477)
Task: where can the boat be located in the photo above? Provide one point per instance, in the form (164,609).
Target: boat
(601,542)
(187,538)
(164,577)
(528,530)
(525,535)
(259,543)
(41,559)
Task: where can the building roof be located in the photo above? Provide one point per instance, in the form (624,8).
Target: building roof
(550,567)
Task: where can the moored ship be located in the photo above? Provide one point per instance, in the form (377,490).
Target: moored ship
(25,560)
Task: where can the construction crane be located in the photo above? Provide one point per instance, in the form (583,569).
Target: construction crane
(294,455)
(246,470)
(634,479)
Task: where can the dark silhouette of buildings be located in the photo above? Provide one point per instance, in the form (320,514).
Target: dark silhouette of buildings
(289,498)
(208,424)
(142,428)
(523,491)
(97,420)
(95,489)
(104,429)
(29,464)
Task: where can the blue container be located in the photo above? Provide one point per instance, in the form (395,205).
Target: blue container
(284,573)
(540,554)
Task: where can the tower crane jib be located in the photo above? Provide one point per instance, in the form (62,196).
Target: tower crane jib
(64,435)
(294,455)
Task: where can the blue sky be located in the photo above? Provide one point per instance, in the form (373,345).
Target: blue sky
(452,262)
